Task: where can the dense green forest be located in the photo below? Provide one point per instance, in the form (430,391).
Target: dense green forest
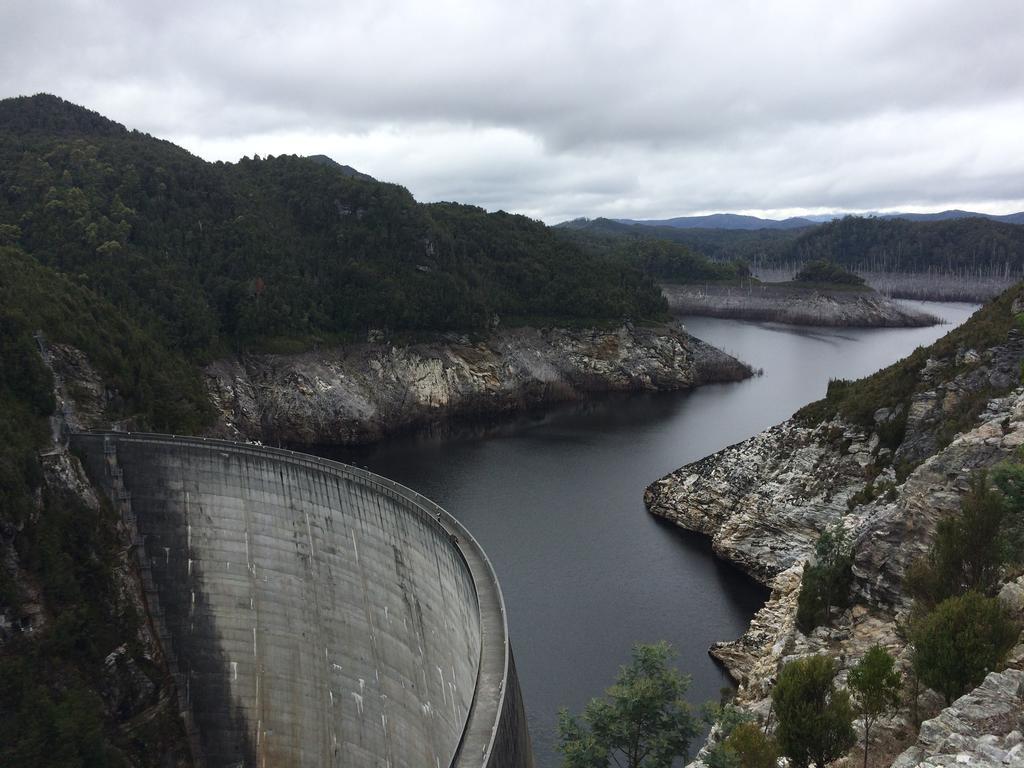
(754,246)
(659,259)
(821,272)
(56,701)
(965,247)
(211,256)
(968,247)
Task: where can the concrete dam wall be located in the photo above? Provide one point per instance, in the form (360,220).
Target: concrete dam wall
(314,614)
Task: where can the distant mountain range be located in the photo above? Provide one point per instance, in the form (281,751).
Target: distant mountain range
(1009,218)
(738,221)
(722,221)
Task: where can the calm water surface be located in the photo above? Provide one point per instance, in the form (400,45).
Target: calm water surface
(556,500)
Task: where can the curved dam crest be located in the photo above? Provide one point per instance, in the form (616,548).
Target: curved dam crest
(315,614)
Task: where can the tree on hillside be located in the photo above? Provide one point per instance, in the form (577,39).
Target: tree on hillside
(1009,479)
(826,582)
(746,746)
(826,272)
(815,719)
(960,641)
(967,553)
(641,722)
(875,684)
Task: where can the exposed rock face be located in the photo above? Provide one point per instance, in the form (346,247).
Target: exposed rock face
(796,306)
(765,501)
(983,728)
(361,392)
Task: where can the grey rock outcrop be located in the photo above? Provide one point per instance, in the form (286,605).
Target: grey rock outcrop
(982,728)
(765,501)
(360,392)
(794,305)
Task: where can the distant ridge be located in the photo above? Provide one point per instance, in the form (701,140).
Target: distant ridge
(344,170)
(1009,218)
(722,221)
(739,221)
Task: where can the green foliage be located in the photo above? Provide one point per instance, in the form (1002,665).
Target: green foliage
(875,684)
(642,721)
(968,550)
(50,714)
(815,720)
(213,255)
(966,246)
(720,245)
(44,727)
(740,742)
(1009,479)
(675,263)
(724,717)
(25,401)
(747,746)
(823,272)
(158,388)
(893,387)
(826,582)
(960,641)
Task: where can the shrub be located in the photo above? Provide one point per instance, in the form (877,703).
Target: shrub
(968,550)
(826,583)
(748,747)
(960,641)
(815,720)
(827,272)
(875,684)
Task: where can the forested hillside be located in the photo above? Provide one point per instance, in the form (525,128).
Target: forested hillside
(968,247)
(211,256)
(76,685)
(752,246)
(962,247)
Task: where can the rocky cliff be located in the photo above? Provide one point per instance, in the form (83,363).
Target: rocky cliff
(361,392)
(794,305)
(887,479)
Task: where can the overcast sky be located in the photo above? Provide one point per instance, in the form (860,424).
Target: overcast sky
(563,109)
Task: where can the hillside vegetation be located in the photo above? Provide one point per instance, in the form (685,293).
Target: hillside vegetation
(961,248)
(968,247)
(211,256)
(725,245)
(63,610)
(893,387)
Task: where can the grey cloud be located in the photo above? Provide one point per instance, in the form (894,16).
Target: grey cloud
(659,108)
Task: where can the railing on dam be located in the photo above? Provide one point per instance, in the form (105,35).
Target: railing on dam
(495,732)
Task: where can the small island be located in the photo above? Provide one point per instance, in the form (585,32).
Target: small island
(822,293)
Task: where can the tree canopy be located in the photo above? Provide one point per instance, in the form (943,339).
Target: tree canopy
(215,255)
(642,721)
(825,272)
(826,582)
(815,719)
(960,641)
(875,684)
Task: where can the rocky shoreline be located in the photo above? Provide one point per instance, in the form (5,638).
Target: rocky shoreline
(764,502)
(792,305)
(362,392)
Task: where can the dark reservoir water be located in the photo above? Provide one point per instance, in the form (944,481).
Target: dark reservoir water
(556,501)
